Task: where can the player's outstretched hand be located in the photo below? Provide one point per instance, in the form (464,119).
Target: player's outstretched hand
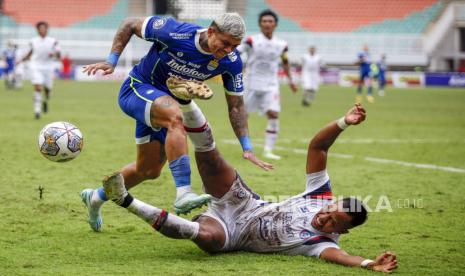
(385,262)
(355,115)
(106,67)
(249,155)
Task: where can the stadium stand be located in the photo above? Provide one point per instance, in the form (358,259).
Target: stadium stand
(86,28)
(66,13)
(404,16)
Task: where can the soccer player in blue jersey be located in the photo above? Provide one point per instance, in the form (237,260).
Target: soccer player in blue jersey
(364,61)
(382,67)
(9,55)
(182,50)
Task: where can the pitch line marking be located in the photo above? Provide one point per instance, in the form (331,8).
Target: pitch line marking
(364,141)
(367,158)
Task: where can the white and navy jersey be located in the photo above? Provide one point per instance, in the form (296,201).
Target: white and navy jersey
(263,58)
(43,52)
(285,227)
(176,52)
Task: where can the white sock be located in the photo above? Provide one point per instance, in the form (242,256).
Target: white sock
(37,100)
(182,190)
(271,134)
(197,127)
(168,224)
(95,200)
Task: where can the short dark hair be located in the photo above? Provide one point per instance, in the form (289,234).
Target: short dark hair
(268,12)
(41,23)
(355,209)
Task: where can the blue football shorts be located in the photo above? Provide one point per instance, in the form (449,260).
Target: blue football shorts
(135,99)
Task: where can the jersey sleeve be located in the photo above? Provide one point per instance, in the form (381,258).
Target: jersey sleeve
(158,28)
(318,186)
(56,46)
(245,46)
(314,246)
(232,76)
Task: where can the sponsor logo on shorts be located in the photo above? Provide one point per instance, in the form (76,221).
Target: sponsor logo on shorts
(159,23)
(287,225)
(305,234)
(241,193)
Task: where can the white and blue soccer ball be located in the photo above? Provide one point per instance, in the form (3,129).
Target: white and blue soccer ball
(60,141)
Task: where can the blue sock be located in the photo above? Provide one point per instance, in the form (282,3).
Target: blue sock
(181,171)
(370,90)
(359,89)
(101,194)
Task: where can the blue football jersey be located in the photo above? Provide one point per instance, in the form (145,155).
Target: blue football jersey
(176,52)
(381,66)
(9,54)
(365,62)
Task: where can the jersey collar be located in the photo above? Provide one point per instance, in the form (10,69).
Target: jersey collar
(197,42)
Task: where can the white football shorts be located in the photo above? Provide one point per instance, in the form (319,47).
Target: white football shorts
(262,101)
(42,77)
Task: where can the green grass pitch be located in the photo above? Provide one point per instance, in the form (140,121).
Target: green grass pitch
(414,126)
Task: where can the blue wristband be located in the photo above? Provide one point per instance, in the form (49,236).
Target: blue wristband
(245,143)
(113,58)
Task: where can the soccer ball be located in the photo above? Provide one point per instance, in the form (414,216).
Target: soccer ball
(60,141)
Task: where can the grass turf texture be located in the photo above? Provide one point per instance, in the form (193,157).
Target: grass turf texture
(51,236)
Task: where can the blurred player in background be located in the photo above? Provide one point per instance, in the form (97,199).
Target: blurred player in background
(66,67)
(180,50)
(9,56)
(382,67)
(311,66)
(44,52)
(364,61)
(264,53)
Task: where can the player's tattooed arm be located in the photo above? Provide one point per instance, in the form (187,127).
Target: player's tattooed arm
(237,115)
(238,119)
(124,33)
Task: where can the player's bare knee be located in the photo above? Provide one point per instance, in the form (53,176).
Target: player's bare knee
(211,236)
(165,112)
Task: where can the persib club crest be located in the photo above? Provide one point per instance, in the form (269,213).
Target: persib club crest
(212,65)
(159,23)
